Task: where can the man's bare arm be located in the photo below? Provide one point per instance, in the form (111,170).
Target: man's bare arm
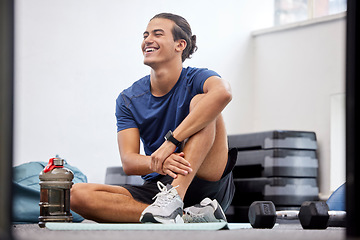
(217,94)
(136,164)
(129,147)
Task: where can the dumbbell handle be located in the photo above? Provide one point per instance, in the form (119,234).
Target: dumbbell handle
(337,215)
(291,215)
(288,215)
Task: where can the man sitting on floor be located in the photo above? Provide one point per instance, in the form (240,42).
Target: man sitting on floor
(192,164)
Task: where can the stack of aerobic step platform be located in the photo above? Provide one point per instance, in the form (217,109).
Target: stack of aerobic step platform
(278,166)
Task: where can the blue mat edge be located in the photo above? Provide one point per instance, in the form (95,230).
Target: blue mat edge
(138,226)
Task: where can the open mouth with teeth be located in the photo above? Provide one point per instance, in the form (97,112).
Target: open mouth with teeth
(150,50)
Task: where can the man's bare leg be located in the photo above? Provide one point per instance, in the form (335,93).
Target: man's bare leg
(207,152)
(105,203)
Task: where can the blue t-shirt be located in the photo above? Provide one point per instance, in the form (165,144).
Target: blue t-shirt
(154,116)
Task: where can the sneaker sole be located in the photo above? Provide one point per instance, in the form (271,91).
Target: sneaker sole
(149,218)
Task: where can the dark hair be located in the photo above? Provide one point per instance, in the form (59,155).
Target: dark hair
(181,30)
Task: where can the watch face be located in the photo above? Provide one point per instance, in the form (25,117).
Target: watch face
(168,135)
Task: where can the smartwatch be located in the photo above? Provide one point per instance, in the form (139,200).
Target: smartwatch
(169,137)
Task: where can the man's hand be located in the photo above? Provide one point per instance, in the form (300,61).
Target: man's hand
(158,157)
(176,164)
(166,152)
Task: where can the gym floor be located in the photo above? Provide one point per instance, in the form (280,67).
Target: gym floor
(285,231)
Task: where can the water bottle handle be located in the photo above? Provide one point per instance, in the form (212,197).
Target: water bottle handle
(50,166)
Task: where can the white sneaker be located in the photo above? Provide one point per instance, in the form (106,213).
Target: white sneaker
(167,208)
(206,211)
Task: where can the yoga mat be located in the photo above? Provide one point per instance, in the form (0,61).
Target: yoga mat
(145,226)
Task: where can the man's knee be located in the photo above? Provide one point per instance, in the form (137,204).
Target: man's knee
(78,195)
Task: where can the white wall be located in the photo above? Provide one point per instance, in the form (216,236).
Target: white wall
(73,57)
(297,71)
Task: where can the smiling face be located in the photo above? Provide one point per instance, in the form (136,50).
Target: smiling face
(158,46)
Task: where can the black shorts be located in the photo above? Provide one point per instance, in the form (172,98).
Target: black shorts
(222,190)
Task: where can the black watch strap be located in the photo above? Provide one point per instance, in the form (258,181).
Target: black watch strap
(169,137)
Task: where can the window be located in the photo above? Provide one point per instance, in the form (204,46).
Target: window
(289,11)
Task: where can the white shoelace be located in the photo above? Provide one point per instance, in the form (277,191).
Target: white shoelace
(164,196)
